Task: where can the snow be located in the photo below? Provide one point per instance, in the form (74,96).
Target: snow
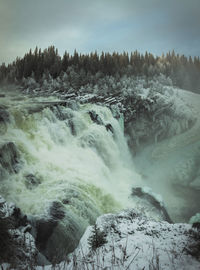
(135,242)
(171,165)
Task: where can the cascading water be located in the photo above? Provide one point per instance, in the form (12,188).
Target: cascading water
(64,164)
(71,160)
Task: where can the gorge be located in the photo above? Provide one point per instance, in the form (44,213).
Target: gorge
(65,160)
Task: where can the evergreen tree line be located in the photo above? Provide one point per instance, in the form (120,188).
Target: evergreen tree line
(183,71)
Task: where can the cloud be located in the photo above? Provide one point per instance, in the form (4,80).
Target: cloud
(152,25)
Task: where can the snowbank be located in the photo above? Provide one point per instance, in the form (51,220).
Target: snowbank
(136,242)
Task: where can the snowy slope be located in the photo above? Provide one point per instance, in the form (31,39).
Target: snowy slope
(171,166)
(190,136)
(135,242)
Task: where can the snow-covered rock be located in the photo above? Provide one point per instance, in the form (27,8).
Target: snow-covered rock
(17,245)
(150,203)
(9,158)
(152,111)
(137,242)
(156,116)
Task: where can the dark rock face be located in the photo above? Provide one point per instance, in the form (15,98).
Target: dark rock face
(44,228)
(138,192)
(60,113)
(17,246)
(57,211)
(9,157)
(95,118)
(4,119)
(109,128)
(19,219)
(56,234)
(4,115)
(54,239)
(196,225)
(31,181)
(72,127)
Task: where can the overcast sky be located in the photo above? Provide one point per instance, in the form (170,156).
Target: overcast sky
(104,25)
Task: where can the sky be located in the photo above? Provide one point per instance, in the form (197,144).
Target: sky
(156,26)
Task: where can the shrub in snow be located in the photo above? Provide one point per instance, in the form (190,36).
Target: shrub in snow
(137,242)
(97,238)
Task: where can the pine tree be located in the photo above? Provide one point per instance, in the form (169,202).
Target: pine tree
(97,239)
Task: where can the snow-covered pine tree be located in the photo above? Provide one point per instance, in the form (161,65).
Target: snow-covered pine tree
(97,238)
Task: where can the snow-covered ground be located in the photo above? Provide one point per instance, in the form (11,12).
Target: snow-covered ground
(135,242)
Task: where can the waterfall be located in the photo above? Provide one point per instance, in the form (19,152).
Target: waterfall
(75,160)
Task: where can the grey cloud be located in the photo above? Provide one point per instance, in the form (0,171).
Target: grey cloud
(151,25)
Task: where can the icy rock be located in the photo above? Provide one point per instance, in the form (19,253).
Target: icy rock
(9,157)
(136,242)
(109,128)
(87,98)
(52,239)
(156,117)
(95,117)
(4,211)
(151,203)
(20,251)
(31,181)
(56,233)
(57,211)
(4,115)
(4,119)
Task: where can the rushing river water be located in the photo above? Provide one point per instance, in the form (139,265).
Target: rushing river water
(77,158)
(72,163)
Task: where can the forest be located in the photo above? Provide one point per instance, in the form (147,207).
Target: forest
(79,70)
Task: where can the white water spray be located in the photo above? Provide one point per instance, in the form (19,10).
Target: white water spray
(74,159)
